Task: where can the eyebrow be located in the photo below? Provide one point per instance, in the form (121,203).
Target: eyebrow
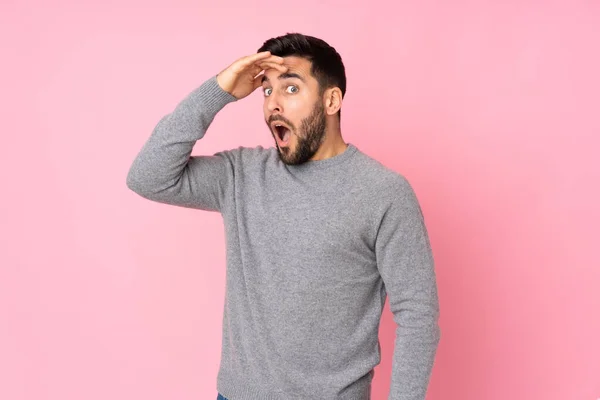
(285,75)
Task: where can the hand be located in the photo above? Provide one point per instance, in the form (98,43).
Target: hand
(242,77)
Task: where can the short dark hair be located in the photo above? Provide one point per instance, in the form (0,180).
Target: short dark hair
(327,66)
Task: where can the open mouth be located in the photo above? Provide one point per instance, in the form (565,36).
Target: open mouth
(282,131)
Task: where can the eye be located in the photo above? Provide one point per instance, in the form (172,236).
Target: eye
(292,89)
(267,91)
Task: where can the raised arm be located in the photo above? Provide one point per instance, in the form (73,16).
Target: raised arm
(164,170)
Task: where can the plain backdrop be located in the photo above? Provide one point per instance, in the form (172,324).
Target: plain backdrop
(491,109)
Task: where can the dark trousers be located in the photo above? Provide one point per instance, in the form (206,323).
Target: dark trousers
(220,397)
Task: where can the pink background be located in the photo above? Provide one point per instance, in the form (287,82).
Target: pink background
(491,110)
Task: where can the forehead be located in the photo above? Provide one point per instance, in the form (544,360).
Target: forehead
(295,65)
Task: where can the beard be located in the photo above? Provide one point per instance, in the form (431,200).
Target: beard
(309,137)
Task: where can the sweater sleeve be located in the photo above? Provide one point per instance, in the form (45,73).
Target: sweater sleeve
(164,170)
(405,263)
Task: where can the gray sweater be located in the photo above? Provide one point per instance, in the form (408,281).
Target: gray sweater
(312,252)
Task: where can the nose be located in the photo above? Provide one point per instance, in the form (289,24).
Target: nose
(273,104)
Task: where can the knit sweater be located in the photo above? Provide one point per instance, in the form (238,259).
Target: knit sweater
(312,252)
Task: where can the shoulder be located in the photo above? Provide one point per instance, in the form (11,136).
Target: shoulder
(246,155)
(380,177)
(391,193)
(249,161)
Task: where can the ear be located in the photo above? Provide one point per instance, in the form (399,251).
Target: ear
(332,100)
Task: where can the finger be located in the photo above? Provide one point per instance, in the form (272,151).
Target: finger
(265,66)
(258,81)
(253,62)
(275,64)
(271,60)
(275,59)
(251,59)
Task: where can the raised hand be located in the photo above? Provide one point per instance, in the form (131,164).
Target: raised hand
(242,77)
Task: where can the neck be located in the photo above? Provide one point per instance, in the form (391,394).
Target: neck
(332,145)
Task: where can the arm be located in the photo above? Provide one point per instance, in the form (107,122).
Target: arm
(163,170)
(405,262)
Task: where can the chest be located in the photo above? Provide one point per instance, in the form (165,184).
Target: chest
(319,231)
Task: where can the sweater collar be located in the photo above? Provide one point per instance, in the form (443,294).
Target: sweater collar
(315,165)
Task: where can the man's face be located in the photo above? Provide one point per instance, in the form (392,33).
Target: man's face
(294,110)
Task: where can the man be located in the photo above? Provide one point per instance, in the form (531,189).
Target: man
(318,234)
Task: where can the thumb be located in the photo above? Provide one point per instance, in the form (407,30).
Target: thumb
(257,82)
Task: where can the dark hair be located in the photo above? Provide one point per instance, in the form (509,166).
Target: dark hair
(327,66)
